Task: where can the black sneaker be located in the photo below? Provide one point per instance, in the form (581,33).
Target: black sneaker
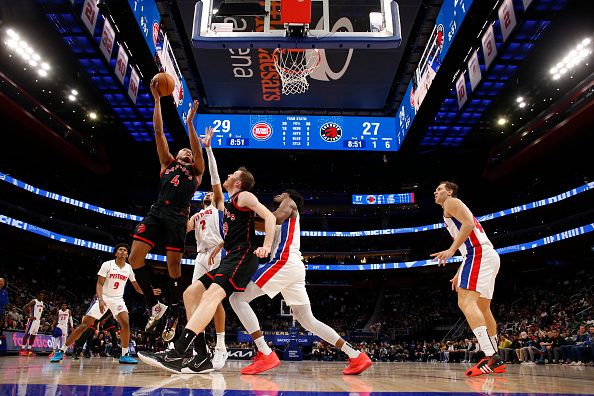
(170,360)
(197,365)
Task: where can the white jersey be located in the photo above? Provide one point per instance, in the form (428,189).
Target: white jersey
(64,318)
(208,228)
(115,278)
(287,237)
(477,237)
(37,309)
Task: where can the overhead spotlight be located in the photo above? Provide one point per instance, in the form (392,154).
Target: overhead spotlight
(93,115)
(74,92)
(522,105)
(586,41)
(12,34)
(72,98)
(33,62)
(519,99)
(45,66)
(553,70)
(501,121)
(42,72)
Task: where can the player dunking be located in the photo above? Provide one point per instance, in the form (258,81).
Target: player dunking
(233,274)
(62,321)
(110,287)
(285,274)
(208,229)
(475,279)
(167,218)
(34,309)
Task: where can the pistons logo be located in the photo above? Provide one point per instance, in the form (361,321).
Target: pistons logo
(120,307)
(261,131)
(371,199)
(331,132)
(140,228)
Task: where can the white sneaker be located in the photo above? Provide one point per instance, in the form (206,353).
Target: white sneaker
(157,313)
(219,358)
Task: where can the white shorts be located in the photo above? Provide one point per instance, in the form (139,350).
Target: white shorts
(479,270)
(115,304)
(201,265)
(284,277)
(32,327)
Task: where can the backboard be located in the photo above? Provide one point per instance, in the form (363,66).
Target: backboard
(363,24)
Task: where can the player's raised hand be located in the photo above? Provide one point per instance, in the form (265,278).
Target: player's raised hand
(262,252)
(208,133)
(154,85)
(442,257)
(193,111)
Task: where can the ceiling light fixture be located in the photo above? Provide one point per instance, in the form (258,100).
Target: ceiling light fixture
(501,121)
(575,57)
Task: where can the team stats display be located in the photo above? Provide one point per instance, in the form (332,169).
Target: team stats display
(300,132)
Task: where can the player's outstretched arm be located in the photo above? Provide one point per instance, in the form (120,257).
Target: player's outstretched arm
(215,181)
(165,156)
(248,200)
(195,143)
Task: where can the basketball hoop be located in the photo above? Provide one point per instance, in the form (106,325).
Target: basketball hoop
(293,66)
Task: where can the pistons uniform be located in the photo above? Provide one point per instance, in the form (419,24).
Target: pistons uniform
(113,289)
(33,324)
(480,262)
(208,229)
(240,262)
(167,218)
(285,272)
(64,318)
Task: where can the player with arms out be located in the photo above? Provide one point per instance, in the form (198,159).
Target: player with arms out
(167,217)
(110,287)
(62,321)
(475,279)
(34,309)
(285,274)
(207,225)
(233,274)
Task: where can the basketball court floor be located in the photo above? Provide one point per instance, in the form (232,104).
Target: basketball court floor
(104,376)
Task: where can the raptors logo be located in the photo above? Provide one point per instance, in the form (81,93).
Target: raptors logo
(140,228)
(331,132)
(225,228)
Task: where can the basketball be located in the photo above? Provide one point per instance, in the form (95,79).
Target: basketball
(166,84)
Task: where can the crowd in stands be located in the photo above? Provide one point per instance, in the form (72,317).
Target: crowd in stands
(552,323)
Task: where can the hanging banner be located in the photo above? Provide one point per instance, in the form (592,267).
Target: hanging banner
(133,86)
(489,46)
(461,90)
(89,15)
(507,18)
(474,70)
(107,40)
(121,64)
(526,4)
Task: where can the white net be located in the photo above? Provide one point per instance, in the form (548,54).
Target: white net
(294,66)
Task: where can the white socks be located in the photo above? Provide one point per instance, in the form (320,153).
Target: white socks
(484,341)
(262,346)
(124,351)
(346,348)
(221,340)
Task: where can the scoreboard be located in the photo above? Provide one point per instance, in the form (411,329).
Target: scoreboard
(300,132)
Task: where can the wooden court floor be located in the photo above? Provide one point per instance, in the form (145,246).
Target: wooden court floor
(104,376)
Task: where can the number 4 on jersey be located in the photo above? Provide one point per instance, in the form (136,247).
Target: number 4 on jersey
(175,180)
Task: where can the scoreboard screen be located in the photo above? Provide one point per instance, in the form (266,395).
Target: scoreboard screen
(384,199)
(300,132)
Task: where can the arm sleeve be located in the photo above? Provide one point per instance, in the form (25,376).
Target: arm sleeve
(212,167)
(104,270)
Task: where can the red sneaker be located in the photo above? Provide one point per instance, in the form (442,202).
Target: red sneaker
(358,365)
(488,365)
(23,352)
(261,363)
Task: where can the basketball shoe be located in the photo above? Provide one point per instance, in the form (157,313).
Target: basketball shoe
(197,364)
(261,363)
(358,364)
(57,356)
(23,352)
(157,312)
(487,365)
(170,360)
(127,359)
(219,358)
